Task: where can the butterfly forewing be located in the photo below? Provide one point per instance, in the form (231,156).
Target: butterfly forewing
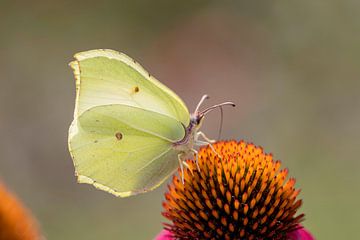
(108,77)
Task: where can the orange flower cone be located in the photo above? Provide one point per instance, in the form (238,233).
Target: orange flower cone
(16,222)
(239,193)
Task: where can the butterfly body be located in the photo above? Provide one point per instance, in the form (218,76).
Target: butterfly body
(129,132)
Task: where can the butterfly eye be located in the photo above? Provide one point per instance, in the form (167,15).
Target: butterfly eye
(195,118)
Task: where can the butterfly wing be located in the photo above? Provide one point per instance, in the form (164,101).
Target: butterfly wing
(108,77)
(124,150)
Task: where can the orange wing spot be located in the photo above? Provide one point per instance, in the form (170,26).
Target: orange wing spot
(135,89)
(118,136)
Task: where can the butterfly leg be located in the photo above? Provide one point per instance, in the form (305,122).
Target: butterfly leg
(206,142)
(180,158)
(202,143)
(198,134)
(187,166)
(196,158)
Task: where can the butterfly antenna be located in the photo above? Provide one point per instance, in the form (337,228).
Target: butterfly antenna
(209,109)
(203,98)
(221,122)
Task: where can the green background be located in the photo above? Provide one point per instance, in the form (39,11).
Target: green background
(291,67)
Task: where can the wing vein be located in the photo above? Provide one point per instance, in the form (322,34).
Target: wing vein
(152,160)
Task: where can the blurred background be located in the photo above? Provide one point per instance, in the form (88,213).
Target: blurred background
(292,68)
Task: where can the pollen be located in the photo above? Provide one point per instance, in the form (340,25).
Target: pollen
(239,193)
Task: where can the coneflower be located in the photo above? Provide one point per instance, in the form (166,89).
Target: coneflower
(240,192)
(16,223)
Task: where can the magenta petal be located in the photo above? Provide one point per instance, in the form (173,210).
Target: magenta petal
(164,235)
(300,234)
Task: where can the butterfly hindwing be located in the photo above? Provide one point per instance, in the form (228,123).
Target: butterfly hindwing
(124,150)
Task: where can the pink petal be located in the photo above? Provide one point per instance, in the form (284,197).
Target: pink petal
(300,234)
(164,235)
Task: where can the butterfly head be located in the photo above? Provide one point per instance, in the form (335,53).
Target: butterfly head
(197,117)
(196,120)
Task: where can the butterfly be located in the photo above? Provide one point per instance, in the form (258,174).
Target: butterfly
(130,132)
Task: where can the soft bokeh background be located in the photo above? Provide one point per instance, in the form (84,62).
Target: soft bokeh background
(291,67)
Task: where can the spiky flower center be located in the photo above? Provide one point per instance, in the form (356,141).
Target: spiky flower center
(239,193)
